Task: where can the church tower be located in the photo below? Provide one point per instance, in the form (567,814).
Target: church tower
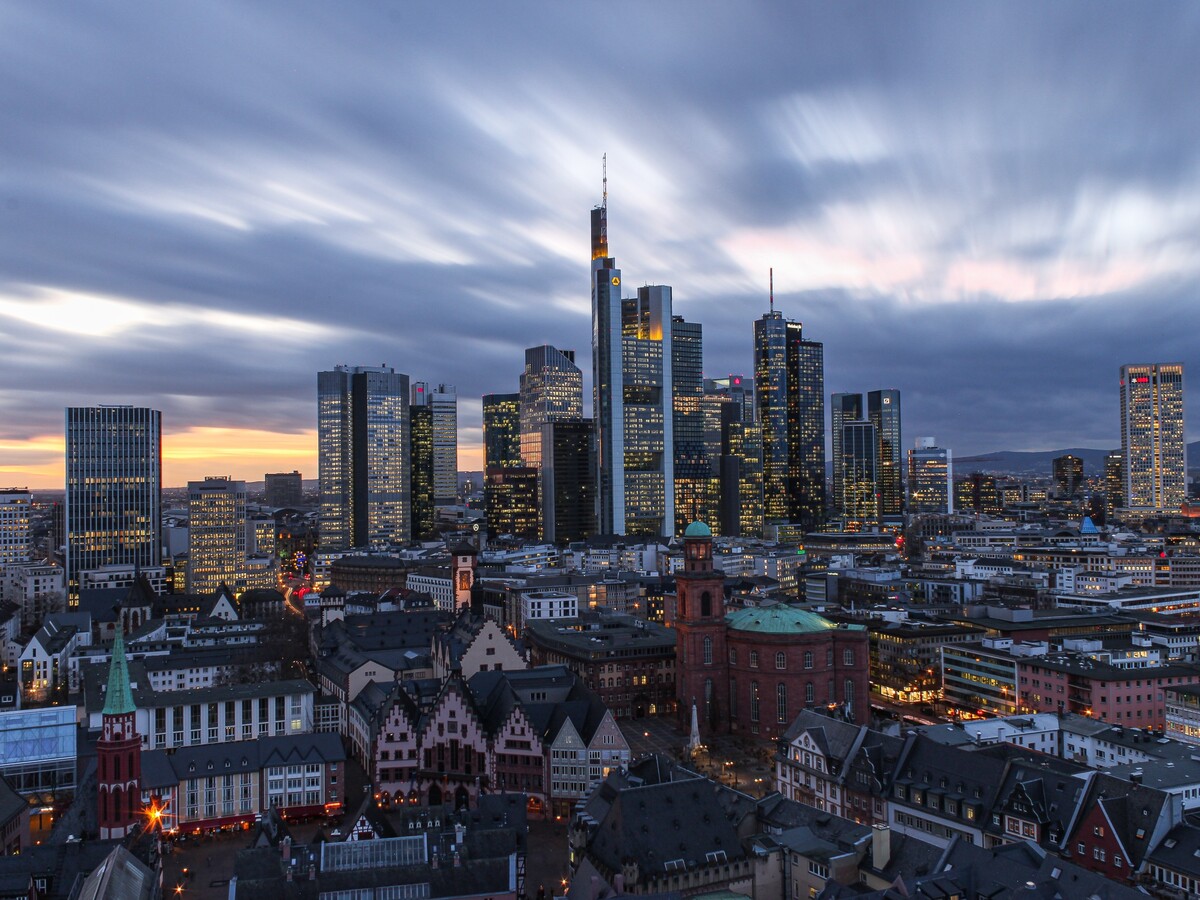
(118,752)
(701,658)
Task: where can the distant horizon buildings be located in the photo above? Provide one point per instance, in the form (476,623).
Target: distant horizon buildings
(363,449)
(632,398)
(1153,448)
(113,505)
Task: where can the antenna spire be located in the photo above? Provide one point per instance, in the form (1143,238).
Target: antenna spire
(604,171)
(772,270)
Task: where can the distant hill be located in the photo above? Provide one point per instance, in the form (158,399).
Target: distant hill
(1039,462)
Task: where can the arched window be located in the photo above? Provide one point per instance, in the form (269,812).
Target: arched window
(754,701)
(708,699)
(706,604)
(848,690)
(808,659)
(754,659)
(810,693)
(681,599)
(780,660)
(781,702)
(848,656)
(708,651)
(733,656)
(829,658)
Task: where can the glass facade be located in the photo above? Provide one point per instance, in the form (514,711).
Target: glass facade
(930,476)
(501,430)
(363,456)
(883,411)
(216,535)
(420,480)
(860,478)
(14,526)
(37,753)
(551,391)
(843,408)
(511,496)
(1152,436)
(568,482)
(113,489)
(789,385)
(697,485)
(442,399)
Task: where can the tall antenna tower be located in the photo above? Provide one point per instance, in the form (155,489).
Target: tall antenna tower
(604,171)
(772,270)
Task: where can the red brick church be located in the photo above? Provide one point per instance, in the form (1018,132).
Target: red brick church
(752,670)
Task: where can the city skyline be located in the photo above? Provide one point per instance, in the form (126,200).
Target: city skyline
(960,204)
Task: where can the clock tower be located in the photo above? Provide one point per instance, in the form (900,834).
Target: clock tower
(701,658)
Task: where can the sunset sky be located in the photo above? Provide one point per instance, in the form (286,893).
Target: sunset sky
(989,206)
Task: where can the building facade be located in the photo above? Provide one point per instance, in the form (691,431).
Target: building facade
(1153,447)
(568,481)
(442,399)
(114,488)
(930,478)
(14,526)
(283,489)
(216,535)
(501,430)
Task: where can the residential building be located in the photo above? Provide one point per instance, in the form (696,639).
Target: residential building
(363,457)
(114,487)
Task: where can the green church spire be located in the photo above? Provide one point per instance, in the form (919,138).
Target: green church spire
(118,700)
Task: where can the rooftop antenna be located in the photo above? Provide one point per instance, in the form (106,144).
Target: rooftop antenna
(772,270)
(604,171)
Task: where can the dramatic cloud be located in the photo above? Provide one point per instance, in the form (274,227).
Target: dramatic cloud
(990,207)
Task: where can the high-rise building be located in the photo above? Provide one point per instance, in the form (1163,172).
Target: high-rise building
(843,408)
(422,513)
(501,431)
(442,399)
(568,481)
(511,501)
(363,457)
(1152,436)
(930,478)
(216,535)
(551,391)
(632,384)
(977,493)
(697,482)
(1114,482)
(284,489)
(1067,472)
(15,542)
(860,475)
(789,396)
(883,411)
(114,488)
(741,475)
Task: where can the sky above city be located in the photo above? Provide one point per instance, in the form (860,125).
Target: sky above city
(989,206)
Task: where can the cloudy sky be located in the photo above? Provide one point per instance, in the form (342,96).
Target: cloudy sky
(988,206)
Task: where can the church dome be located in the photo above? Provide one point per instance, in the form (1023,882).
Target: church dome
(698,529)
(779,619)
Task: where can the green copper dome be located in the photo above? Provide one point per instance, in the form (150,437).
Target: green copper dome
(778,619)
(698,529)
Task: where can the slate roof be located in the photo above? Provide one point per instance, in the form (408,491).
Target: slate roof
(1179,850)
(1134,810)
(161,769)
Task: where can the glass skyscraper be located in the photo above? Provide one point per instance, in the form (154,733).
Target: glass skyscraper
(930,478)
(420,479)
(442,399)
(363,456)
(113,489)
(697,487)
(568,481)
(551,391)
(883,411)
(789,396)
(843,408)
(632,384)
(1152,436)
(860,476)
(216,535)
(501,431)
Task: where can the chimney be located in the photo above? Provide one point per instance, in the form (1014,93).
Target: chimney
(881,846)
(1136,776)
(285,847)
(460,833)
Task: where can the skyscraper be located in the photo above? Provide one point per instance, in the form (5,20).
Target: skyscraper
(697,486)
(15,542)
(883,411)
(114,488)
(1114,482)
(501,430)
(741,474)
(363,457)
(632,384)
(443,401)
(568,481)
(422,512)
(284,489)
(843,408)
(216,535)
(1067,472)
(930,478)
(860,475)
(789,396)
(511,501)
(551,391)
(1152,436)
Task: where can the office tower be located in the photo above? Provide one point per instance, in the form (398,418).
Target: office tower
(15,542)
(632,382)
(551,391)
(1114,482)
(511,501)
(697,484)
(363,457)
(741,490)
(860,475)
(501,431)
(843,408)
(568,481)
(738,389)
(977,493)
(883,411)
(1067,472)
(930,478)
(284,489)
(1152,442)
(422,512)
(442,399)
(789,386)
(114,489)
(216,535)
